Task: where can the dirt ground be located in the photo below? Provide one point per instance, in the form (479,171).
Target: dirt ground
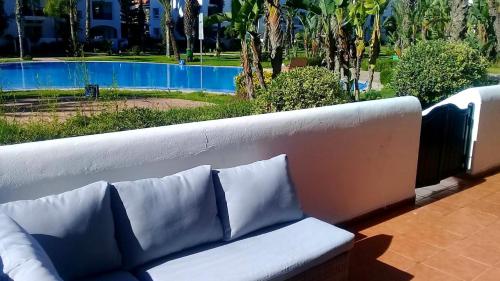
(23,110)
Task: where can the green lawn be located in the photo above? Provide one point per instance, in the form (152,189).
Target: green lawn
(116,94)
(226,59)
(494,68)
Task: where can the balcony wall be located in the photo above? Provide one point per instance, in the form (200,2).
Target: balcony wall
(345,160)
(485,142)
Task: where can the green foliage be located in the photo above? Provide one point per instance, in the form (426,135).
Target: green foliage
(386,76)
(303,87)
(434,70)
(111,121)
(240,83)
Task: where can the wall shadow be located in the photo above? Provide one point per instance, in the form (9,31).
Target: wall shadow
(364,265)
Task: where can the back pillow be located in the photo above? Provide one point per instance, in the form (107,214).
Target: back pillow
(159,216)
(75,229)
(254,196)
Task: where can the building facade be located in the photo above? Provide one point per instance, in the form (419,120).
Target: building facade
(156,13)
(105,21)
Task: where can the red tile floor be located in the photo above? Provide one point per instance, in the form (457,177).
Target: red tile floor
(452,233)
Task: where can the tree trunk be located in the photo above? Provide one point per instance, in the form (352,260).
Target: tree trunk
(217,41)
(458,15)
(256,53)
(72,28)
(495,19)
(174,44)
(330,50)
(265,38)
(247,69)
(167,41)
(20,26)
(306,47)
(374,50)
(141,20)
(87,20)
(275,35)
(189,22)
(360,50)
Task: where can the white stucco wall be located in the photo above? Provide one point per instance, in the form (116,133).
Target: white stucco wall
(484,154)
(115,22)
(345,160)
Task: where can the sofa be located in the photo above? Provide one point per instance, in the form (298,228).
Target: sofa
(239,223)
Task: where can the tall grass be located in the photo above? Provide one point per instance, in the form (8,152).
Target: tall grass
(12,132)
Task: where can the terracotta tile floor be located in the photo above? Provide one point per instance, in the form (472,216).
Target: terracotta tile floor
(452,233)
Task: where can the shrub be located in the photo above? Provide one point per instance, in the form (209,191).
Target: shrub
(241,91)
(434,70)
(303,87)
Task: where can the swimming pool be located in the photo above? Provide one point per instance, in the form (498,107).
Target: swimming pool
(133,75)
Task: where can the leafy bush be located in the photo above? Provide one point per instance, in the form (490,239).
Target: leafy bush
(434,70)
(112,121)
(241,91)
(303,87)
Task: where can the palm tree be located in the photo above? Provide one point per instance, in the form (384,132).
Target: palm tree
(494,11)
(20,26)
(275,35)
(458,16)
(218,19)
(324,11)
(243,21)
(357,14)
(168,28)
(190,13)
(253,17)
(61,8)
(374,8)
(87,20)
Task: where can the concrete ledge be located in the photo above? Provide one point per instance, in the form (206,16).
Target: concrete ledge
(345,160)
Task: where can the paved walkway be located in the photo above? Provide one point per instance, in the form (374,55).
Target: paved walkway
(453,233)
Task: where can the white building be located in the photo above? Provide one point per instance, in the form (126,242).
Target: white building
(39,28)
(156,13)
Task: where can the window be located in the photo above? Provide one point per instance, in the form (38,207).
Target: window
(156,13)
(102,10)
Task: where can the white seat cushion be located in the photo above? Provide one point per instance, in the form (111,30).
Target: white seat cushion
(271,254)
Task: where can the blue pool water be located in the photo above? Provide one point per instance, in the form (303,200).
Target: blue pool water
(43,75)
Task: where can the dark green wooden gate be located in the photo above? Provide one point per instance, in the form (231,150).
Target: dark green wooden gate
(444,143)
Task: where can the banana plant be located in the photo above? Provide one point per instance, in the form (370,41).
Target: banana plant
(374,8)
(357,15)
(309,22)
(325,12)
(243,20)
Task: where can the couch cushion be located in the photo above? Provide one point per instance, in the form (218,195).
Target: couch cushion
(254,196)
(75,229)
(112,276)
(21,257)
(157,217)
(271,254)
